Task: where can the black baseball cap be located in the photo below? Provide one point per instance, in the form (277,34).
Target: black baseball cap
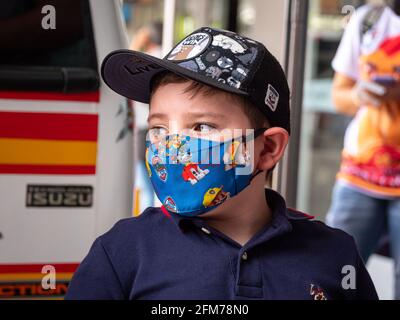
(218,58)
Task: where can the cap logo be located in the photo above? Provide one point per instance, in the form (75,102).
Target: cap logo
(190,47)
(271,98)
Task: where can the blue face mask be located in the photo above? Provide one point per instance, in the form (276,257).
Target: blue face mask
(192,176)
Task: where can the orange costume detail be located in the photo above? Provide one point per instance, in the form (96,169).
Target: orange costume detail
(371,159)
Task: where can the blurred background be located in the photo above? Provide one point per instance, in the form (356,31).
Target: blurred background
(71,151)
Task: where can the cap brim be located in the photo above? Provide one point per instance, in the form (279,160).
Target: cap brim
(129,73)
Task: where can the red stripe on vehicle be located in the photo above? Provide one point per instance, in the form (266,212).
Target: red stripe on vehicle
(54,126)
(45,169)
(28,95)
(37,268)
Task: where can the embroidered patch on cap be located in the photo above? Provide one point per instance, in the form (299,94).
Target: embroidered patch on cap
(225,42)
(190,47)
(271,98)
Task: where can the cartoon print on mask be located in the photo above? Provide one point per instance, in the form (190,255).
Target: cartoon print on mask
(184,155)
(224,62)
(160,168)
(170,204)
(228,43)
(215,72)
(193,173)
(215,196)
(147,163)
(157,140)
(178,150)
(187,190)
(236,155)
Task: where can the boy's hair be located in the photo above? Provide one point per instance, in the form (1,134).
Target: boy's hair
(256,117)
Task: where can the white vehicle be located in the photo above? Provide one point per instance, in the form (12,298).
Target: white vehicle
(65,141)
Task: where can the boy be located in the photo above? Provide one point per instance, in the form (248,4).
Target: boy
(219,233)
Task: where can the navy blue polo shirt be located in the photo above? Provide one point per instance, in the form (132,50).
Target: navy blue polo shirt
(167,256)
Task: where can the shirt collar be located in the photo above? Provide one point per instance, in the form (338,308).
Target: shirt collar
(182,222)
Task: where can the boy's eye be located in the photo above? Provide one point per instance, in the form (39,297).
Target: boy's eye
(203,128)
(157,133)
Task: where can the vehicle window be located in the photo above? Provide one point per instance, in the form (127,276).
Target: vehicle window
(34,58)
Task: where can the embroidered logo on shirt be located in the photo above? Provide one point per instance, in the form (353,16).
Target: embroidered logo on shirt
(317,293)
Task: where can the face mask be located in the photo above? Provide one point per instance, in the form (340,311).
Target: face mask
(192,176)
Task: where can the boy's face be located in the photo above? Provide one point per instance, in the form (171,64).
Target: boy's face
(173,111)
(215,117)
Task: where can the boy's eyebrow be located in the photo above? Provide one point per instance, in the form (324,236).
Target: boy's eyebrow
(160,116)
(202,115)
(189,115)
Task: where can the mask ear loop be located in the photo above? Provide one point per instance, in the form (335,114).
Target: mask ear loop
(255,174)
(244,138)
(257,132)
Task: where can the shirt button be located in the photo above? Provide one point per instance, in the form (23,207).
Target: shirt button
(244,256)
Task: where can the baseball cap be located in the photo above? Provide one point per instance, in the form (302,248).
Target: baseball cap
(218,58)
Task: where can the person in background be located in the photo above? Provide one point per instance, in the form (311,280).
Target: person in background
(148,39)
(366,85)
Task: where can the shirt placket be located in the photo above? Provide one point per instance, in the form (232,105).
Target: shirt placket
(249,282)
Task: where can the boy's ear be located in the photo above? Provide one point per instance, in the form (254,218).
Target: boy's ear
(274,142)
